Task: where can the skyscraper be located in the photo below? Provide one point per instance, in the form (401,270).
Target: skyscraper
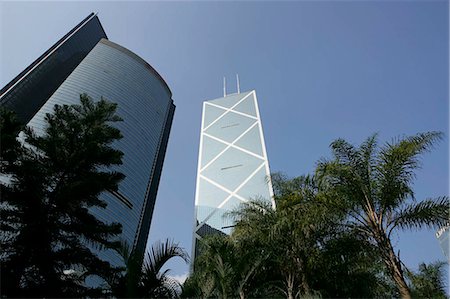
(443,236)
(144,103)
(232,165)
(29,90)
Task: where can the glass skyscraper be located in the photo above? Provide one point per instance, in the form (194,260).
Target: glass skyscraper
(232,165)
(29,90)
(145,104)
(443,236)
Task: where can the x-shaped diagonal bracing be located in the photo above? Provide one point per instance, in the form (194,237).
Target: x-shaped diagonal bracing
(232,144)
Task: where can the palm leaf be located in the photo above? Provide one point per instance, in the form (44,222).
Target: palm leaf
(343,151)
(398,161)
(161,253)
(429,281)
(430,212)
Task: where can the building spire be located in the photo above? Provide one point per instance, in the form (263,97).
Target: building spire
(224,87)
(237,81)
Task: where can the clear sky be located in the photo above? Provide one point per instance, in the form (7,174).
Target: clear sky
(321,70)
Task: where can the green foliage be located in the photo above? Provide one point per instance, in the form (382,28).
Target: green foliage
(217,261)
(54,179)
(9,146)
(224,269)
(148,281)
(125,284)
(374,187)
(155,282)
(422,214)
(329,235)
(298,250)
(348,267)
(428,281)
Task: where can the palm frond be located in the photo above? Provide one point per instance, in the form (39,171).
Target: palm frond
(171,287)
(429,281)
(368,161)
(161,252)
(398,161)
(249,210)
(330,173)
(154,282)
(343,151)
(430,212)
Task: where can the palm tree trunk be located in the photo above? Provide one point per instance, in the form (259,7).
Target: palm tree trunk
(397,273)
(224,294)
(302,272)
(393,263)
(305,286)
(304,280)
(290,286)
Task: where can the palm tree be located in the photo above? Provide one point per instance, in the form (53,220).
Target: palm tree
(223,268)
(374,186)
(301,249)
(288,237)
(428,282)
(214,266)
(348,267)
(157,283)
(270,231)
(198,285)
(148,281)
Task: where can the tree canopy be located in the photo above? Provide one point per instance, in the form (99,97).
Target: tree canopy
(374,187)
(52,181)
(330,234)
(148,280)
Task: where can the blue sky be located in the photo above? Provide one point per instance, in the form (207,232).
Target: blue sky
(322,70)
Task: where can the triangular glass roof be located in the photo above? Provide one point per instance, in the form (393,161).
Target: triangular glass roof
(229,100)
(211,113)
(247,106)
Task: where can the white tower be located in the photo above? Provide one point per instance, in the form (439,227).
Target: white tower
(232,165)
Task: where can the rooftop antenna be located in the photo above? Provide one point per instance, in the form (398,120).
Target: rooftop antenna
(237,80)
(224,87)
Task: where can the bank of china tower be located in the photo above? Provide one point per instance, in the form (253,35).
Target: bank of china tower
(232,165)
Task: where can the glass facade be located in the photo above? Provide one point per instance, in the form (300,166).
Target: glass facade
(28,91)
(443,237)
(145,105)
(232,165)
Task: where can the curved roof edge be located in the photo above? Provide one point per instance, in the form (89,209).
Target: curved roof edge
(47,53)
(138,59)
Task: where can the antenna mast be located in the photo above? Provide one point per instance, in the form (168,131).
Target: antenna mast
(237,80)
(224,87)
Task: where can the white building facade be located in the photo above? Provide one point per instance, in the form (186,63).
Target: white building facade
(443,236)
(232,167)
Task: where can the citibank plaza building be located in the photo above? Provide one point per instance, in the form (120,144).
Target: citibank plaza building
(108,70)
